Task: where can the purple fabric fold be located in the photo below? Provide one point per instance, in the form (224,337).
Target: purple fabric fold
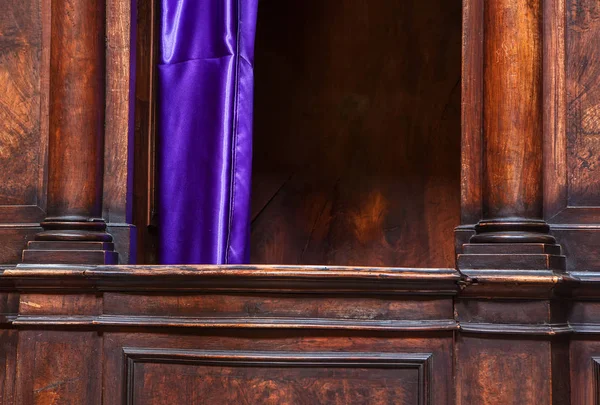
(204,151)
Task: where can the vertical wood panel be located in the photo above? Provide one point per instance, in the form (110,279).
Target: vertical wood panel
(117,198)
(21,116)
(472,111)
(555,153)
(494,371)
(583,102)
(357,132)
(58,368)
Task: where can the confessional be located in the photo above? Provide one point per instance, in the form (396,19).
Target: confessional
(425,225)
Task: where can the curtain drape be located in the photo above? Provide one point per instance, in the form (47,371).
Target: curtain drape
(204,151)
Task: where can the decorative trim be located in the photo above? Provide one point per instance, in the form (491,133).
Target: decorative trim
(586,329)
(422,362)
(236,322)
(516,329)
(305,279)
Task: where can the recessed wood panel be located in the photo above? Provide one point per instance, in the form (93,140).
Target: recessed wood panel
(21,101)
(58,367)
(583,101)
(158,376)
(357,132)
(485,363)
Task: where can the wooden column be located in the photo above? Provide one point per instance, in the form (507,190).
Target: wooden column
(512,123)
(74,231)
(511,157)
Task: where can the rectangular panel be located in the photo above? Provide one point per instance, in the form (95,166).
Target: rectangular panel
(58,367)
(161,376)
(489,371)
(583,102)
(24,55)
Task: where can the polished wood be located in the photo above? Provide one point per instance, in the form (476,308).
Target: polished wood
(118,132)
(504,161)
(76,135)
(76,109)
(356,161)
(24,68)
(357,139)
(512,109)
(260,334)
(64,89)
(297,334)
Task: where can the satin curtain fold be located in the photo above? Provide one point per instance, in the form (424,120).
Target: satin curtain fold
(205,95)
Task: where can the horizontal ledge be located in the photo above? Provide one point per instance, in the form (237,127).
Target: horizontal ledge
(586,328)
(234,357)
(236,323)
(516,329)
(590,277)
(304,279)
(249,271)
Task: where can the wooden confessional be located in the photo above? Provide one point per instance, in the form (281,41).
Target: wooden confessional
(422,232)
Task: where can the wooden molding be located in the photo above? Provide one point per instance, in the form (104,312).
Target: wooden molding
(421,362)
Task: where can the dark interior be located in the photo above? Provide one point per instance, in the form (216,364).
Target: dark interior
(357,132)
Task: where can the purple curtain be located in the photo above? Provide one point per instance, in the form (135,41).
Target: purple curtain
(205,91)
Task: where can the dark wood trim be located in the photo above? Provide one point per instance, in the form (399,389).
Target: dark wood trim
(472,112)
(555,154)
(233,278)
(144,170)
(229,323)
(516,329)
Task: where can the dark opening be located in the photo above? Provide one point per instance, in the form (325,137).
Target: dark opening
(357,132)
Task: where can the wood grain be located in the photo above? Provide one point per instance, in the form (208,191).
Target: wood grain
(277,377)
(21,114)
(356,152)
(118,136)
(512,109)
(58,367)
(76,108)
(485,367)
(472,112)
(583,102)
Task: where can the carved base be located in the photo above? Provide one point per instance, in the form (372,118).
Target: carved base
(71,241)
(512,256)
(513,231)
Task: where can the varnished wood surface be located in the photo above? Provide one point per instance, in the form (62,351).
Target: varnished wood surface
(23,112)
(512,113)
(356,141)
(24,70)
(583,98)
(118,131)
(287,356)
(293,342)
(77,103)
(471,112)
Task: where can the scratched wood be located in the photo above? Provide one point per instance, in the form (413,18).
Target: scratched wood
(119,119)
(58,368)
(273,385)
(21,49)
(24,58)
(583,102)
(357,132)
